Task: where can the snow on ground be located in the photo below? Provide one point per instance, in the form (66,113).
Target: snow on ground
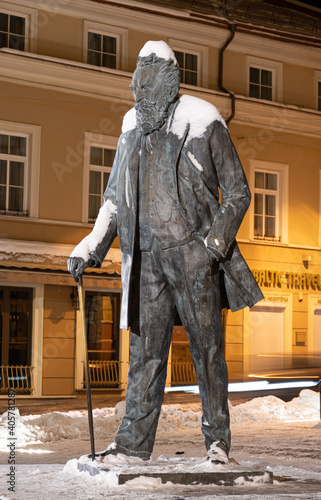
(55,426)
(267,434)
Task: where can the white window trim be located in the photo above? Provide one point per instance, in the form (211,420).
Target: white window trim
(317,79)
(92,139)
(120,34)
(283,170)
(33,134)
(202,59)
(31,17)
(277,75)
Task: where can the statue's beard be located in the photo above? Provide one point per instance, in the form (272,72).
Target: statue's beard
(150,116)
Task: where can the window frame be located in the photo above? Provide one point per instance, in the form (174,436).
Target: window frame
(102,141)
(31,175)
(31,23)
(10,158)
(268,192)
(202,59)
(282,170)
(276,69)
(121,36)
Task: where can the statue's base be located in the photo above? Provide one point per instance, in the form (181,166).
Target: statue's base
(185,472)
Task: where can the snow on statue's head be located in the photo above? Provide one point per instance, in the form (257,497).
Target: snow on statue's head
(155,85)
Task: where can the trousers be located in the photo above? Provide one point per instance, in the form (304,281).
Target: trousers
(185,277)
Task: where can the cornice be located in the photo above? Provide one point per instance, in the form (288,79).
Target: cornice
(66,76)
(278,117)
(211,32)
(111,85)
(263,114)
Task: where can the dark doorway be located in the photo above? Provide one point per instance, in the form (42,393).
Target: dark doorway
(102,326)
(15,337)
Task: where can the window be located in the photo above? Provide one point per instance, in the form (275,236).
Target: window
(260,83)
(100,163)
(265,204)
(99,157)
(193,62)
(105,46)
(19,150)
(188,67)
(264,79)
(268,184)
(18,28)
(13,171)
(101,50)
(12,31)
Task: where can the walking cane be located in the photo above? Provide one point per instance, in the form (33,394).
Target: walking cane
(86,367)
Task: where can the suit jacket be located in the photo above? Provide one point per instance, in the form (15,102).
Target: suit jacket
(201,159)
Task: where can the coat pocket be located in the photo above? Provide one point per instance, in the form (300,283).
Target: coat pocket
(164,211)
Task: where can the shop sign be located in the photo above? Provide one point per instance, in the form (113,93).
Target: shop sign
(292,280)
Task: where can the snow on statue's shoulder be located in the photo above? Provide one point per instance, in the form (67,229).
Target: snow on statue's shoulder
(196,113)
(160,48)
(129,121)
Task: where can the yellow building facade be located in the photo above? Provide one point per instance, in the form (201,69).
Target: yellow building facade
(65,73)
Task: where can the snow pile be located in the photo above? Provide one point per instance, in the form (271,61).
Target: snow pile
(19,431)
(74,425)
(173,418)
(37,429)
(268,408)
(56,426)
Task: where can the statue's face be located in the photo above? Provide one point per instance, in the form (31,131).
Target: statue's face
(151,98)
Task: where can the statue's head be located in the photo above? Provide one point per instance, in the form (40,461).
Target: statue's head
(155,85)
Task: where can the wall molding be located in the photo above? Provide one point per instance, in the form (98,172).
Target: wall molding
(113,85)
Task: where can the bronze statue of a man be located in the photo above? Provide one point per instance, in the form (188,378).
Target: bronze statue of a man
(179,254)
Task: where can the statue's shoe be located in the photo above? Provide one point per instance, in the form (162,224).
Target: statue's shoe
(217,455)
(110,450)
(123,455)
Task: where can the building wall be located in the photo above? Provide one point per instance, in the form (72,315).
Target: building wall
(58,342)
(53,88)
(298,85)
(67,34)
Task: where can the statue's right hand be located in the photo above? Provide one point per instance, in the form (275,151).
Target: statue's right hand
(76,267)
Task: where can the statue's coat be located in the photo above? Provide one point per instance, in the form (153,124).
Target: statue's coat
(195,186)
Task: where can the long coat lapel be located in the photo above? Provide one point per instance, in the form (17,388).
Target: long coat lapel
(133,145)
(127,190)
(174,148)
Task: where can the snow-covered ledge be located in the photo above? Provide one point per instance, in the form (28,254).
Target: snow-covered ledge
(22,253)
